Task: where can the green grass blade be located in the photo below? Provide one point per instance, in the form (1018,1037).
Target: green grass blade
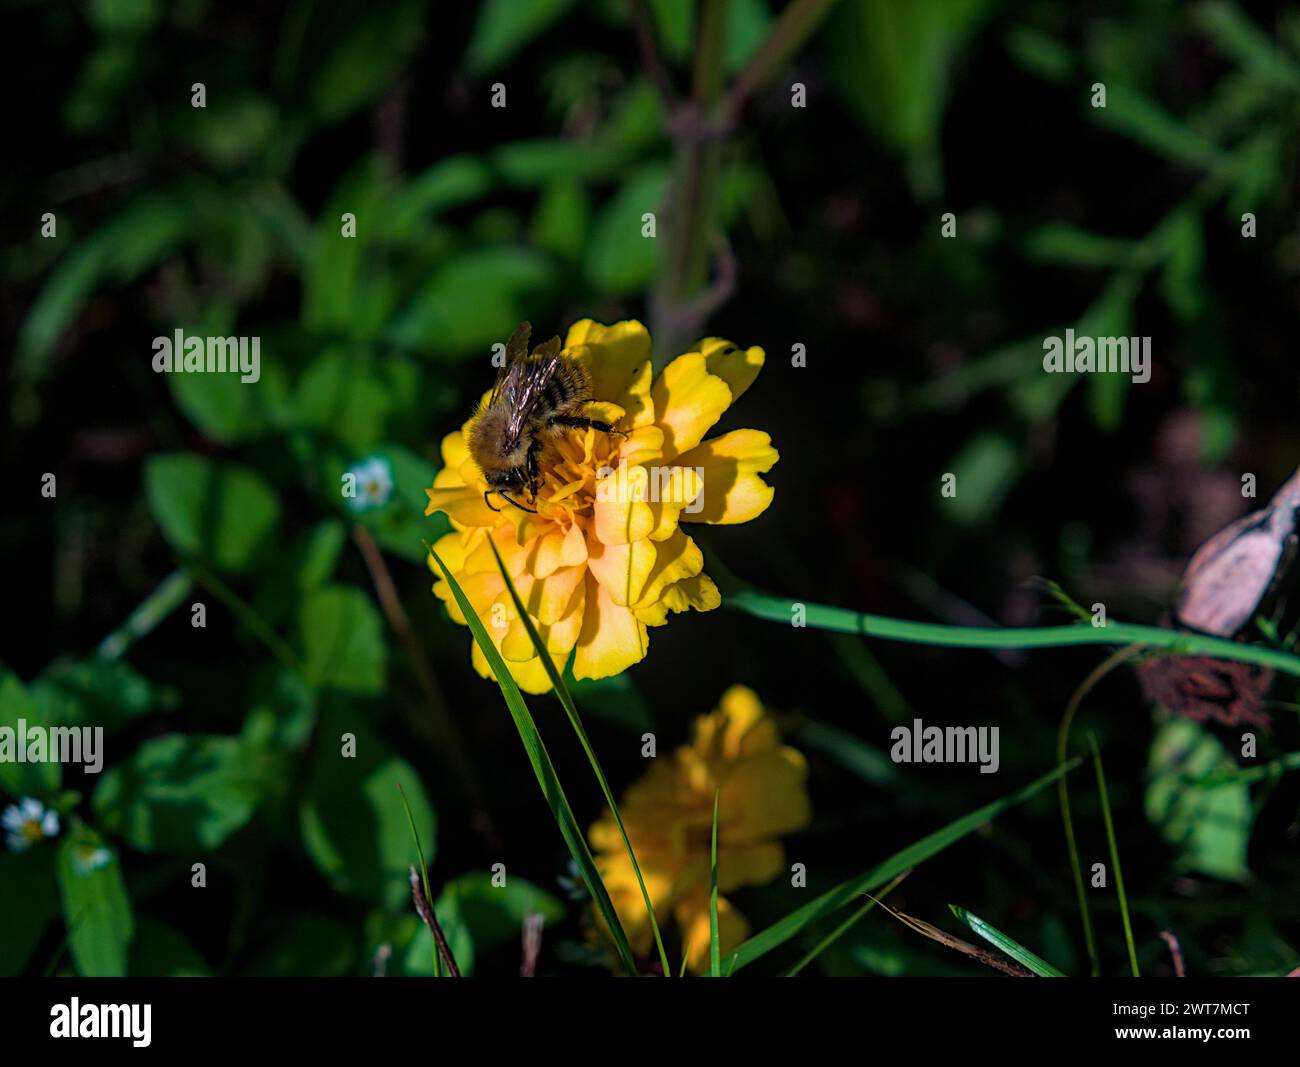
(1000,941)
(773,608)
(780,932)
(424,874)
(715,956)
(1114,856)
(843,928)
(544,769)
(571,709)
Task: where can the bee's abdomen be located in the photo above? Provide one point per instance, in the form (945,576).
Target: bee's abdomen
(567,388)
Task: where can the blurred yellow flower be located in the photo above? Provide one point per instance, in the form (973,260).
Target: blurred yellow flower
(605,557)
(669,820)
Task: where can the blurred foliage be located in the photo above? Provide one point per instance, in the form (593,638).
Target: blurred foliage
(924,357)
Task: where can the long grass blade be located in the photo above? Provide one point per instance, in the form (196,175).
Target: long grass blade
(571,709)
(1114,855)
(1014,949)
(781,931)
(544,769)
(843,927)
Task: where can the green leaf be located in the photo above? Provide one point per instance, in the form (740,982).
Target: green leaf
(96,909)
(619,258)
(892,63)
(17,708)
(479,917)
(354,400)
(506,26)
(221,513)
(715,958)
(363,56)
(306,946)
(1135,115)
(159,951)
(31,904)
(183,793)
(544,770)
(97,693)
(228,410)
(342,639)
(1000,941)
(918,852)
(1209,824)
(148,229)
(475,300)
(354,824)
(986,469)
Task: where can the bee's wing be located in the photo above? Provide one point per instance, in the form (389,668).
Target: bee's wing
(516,353)
(526,384)
(1230,575)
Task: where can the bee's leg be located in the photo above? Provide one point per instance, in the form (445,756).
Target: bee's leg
(534,474)
(504,496)
(581,422)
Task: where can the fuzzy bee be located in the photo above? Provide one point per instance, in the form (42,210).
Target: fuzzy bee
(537,397)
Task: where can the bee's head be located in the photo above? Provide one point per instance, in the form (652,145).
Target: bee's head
(511,478)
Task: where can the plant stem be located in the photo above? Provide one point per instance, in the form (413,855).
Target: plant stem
(843,620)
(150,612)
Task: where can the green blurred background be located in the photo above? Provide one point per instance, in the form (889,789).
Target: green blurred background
(923,357)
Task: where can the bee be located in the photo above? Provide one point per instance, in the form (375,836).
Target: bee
(537,398)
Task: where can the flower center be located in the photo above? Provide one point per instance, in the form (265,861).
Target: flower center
(31,830)
(570,466)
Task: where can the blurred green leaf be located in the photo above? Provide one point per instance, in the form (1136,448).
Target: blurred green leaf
(306,946)
(363,57)
(892,63)
(492,915)
(23,779)
(159,951)
(151,226)
(228,410)
(619,258)
(184,793)
(222,514)
(1209,824)
(353,823)
(1131,112)
(31,900)
(96,693)
(477,299)
(505,26)
(986,469)
(342,640)
(96,909)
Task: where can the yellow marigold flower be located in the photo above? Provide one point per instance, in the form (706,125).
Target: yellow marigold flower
(669,820)
(605,556)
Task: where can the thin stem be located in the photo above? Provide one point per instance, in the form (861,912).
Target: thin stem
(843,620)
(1113,843)
(147,615)
(246,614)
(1063,794)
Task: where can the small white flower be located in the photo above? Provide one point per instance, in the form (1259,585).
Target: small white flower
(27,822)
(374,478)
(89,858)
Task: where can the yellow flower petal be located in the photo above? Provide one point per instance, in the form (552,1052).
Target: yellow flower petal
(730,466)
(735,366)
(613,355)
(622,569)
(688,401)
(692,916)
(612,638)
(464,506)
